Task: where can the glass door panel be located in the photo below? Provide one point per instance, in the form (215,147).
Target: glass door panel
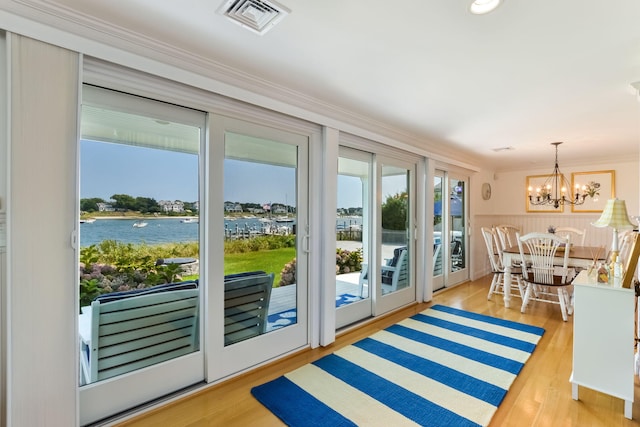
(457,226)
(438,243)
(260,226)
(259,303)
(450,230)
(395,258)
(353,296)
(458,238)
(139,278)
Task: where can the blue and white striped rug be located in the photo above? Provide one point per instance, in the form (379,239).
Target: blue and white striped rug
(442,367)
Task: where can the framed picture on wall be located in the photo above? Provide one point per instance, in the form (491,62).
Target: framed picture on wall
(599,187)
(535,190)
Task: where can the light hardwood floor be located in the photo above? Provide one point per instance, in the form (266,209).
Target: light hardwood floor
(540,395)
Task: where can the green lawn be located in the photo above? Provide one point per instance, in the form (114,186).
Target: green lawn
(271,261)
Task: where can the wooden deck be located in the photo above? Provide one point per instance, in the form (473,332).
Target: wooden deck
(283,298)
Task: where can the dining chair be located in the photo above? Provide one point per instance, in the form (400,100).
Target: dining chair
(507,234)
(545,280)
(497,267)
(626,238)
(577,236)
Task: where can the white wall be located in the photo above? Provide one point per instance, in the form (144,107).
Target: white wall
(508,184)
(42,349)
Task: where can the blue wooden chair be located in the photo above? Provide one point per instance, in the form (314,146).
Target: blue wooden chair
(246,305)
(139,328)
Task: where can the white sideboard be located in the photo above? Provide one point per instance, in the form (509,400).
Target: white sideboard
(603,340)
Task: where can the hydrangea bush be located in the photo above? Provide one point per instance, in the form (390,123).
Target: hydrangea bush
(346,262)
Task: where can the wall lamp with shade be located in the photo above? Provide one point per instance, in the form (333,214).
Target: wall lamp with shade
(615,216)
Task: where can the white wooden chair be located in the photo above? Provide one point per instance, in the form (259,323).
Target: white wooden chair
(546,282)
(497,267)
(507,235)
(626,239)
(577,236)
(395,275)
(436,253)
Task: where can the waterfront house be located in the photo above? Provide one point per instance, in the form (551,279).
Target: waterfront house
(171,206)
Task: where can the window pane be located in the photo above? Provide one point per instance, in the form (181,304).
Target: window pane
(260,226)
(394,270)
(456,211)
(352,282)
(139,240)
(437,225)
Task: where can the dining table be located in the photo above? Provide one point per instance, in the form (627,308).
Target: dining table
(579,257)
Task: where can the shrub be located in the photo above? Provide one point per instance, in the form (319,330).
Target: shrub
(259,243)
(288,274)
(116,267)
(348,261)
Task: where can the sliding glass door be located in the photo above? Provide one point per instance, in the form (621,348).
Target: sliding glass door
(395,255)
(140,283)
(450,239)
(260,305)
(353,236)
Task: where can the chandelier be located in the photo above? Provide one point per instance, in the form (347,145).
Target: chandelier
(554,190)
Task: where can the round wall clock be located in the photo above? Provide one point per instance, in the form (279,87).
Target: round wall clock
(486,191)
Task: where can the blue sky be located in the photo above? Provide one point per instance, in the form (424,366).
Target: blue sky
(108,169)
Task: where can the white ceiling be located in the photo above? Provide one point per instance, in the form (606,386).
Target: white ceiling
(523,76)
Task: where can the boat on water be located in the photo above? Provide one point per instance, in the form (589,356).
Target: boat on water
(189,221)
(87,221)
(284,219)
(140,224)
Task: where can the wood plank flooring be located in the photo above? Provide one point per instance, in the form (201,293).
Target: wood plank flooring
(540,396)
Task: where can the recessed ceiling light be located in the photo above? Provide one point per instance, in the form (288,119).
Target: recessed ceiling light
(480,7)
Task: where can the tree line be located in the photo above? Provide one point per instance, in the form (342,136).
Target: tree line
(125,202)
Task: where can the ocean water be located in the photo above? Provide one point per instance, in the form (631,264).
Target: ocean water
(122,230)
(165,230)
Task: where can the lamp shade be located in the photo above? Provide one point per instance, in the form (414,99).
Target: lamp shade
(614,215)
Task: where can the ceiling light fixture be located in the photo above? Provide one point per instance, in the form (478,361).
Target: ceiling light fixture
(554,189)
(480,7)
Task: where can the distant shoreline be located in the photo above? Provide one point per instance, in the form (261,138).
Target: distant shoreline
(138,217)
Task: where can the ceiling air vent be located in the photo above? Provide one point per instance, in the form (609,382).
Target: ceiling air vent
(258,16)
